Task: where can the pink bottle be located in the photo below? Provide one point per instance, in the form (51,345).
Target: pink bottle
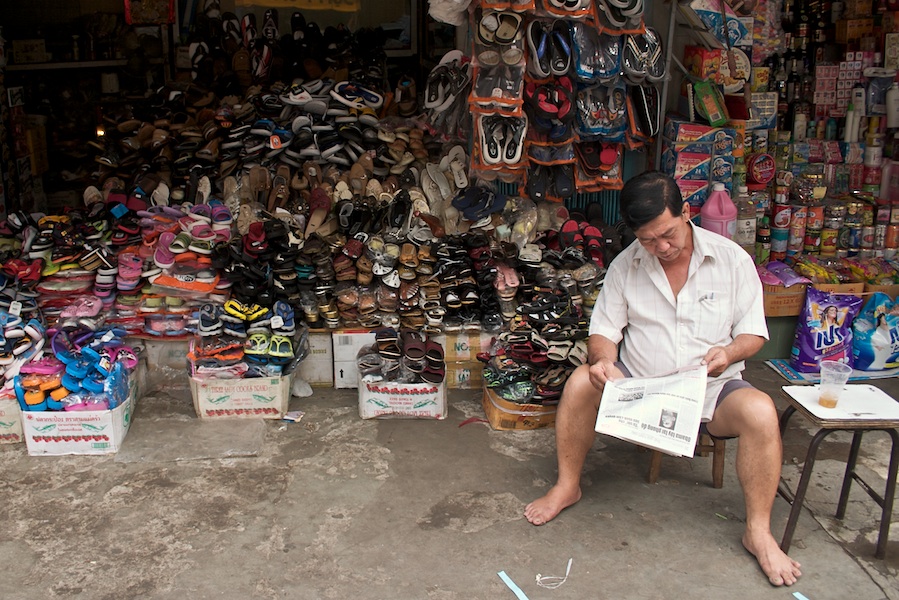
(719,213)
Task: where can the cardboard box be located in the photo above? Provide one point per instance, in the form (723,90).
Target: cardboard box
(507,416)
(317,369)
(346,374)
(687,165)
(464,375)
(256,398)
(693,192)
(10,421)
(385,399)
(464,346)
(849,30)
(781,301)
(841,288)
(170,354)
(57,433)
(27,52)
(704,63)
(891,290)
(346,345)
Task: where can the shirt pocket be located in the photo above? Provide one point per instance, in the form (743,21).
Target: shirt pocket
(710,323)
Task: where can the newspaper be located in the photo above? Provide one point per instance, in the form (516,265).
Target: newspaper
(661,413)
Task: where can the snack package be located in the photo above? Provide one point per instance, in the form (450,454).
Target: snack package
(876,333)
(824,330)
(787,275)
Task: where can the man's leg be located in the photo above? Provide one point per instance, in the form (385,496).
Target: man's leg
(750,415)
(575,420)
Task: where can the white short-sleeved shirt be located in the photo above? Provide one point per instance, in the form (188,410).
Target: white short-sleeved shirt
(657,333)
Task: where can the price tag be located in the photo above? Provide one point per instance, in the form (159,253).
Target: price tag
(119,211)
(275,142)
(107,337)
(15,308)
(277,322)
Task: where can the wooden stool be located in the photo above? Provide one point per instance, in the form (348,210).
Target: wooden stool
(704,445)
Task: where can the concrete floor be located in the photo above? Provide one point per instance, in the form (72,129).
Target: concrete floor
(337,507)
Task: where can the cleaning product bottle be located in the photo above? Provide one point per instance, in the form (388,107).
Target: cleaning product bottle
(744,233)
(718,212)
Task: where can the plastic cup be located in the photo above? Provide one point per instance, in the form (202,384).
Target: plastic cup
(834,376)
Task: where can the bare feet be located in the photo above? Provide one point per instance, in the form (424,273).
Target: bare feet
(544,509)
(778,567)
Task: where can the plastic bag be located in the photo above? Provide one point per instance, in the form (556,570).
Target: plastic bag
(876,335)
(824,330)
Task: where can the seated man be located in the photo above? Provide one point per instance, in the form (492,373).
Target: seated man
(678,296)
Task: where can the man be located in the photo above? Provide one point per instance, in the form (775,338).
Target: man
(678,296)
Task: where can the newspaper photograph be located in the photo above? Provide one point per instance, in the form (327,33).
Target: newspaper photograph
(662,412)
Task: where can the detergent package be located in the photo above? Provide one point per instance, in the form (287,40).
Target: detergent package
(824,330)
(876,330)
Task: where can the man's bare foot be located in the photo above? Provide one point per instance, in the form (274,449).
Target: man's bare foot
(544,509)
(777,566)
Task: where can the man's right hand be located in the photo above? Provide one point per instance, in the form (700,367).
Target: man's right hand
(602,371)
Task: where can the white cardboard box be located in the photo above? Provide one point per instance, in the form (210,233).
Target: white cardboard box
(57,433)
(385,399)
(317,369)
(10,421)
(346,345)
(259,398)
(346,374)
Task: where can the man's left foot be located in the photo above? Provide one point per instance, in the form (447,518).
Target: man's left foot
(777,566)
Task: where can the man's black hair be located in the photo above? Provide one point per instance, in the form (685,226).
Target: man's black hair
(646,196)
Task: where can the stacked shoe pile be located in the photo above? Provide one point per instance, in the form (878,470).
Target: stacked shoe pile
(87,370)
(403,356)
(245,340)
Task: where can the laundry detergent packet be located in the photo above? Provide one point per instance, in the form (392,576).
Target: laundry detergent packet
(876,334)
(824,330)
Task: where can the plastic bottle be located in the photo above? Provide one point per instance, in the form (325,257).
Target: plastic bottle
(718,212)
(763,242)
(892,102)
(744,233)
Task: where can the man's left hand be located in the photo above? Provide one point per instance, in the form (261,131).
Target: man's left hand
(716,360)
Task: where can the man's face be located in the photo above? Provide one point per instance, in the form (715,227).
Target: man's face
(665,237)
(667,421)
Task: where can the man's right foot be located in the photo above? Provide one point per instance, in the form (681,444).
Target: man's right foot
(544,509)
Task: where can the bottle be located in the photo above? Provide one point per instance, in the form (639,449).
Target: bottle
(4,57)
(830,130)
(780,86)
(744,233)
(718,212)
(763,242)
(892,102)
(788,16)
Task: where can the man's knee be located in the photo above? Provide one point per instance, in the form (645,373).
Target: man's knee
(745,411)
(579,392)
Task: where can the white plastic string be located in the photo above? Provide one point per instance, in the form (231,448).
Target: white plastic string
(551,582)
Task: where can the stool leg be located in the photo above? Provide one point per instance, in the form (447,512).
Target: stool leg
(887,514)
(850,471)
(802,488)
(655,466)
(718,464)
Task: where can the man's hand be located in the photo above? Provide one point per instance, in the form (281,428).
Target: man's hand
(716,360)
(602,371)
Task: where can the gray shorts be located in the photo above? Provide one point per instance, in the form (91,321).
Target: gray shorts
(729,387)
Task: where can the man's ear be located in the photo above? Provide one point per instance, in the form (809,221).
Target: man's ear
(685,211)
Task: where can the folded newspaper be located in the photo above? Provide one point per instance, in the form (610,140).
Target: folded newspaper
(661,413)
